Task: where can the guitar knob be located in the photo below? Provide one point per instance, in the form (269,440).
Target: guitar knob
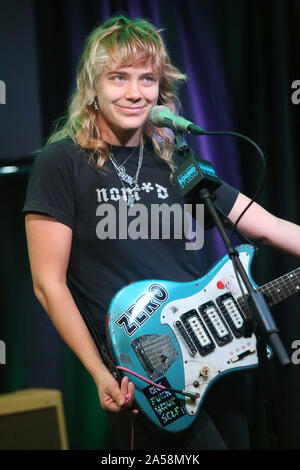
(204,371)
(196,384)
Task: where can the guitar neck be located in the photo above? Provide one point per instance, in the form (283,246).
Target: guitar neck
(278,290)
(281,288)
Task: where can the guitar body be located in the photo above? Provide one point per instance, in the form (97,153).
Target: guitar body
(181,335)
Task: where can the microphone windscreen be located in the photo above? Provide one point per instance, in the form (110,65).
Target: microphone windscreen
(155,116)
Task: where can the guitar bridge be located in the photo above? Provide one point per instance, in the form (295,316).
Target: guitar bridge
(156,353)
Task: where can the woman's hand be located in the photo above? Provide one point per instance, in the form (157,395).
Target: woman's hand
(114,397)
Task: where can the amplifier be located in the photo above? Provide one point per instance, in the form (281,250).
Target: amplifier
(32,419)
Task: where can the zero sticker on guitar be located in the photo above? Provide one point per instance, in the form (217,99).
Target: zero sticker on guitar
(142,309)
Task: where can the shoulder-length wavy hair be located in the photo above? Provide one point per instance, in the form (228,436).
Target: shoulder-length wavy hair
(122,41)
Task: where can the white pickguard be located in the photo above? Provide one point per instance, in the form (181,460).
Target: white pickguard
(204,369)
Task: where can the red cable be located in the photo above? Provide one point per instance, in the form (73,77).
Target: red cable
(132,432)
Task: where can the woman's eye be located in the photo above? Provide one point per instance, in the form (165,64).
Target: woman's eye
(117,78)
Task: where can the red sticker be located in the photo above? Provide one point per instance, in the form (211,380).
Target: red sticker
(220,285)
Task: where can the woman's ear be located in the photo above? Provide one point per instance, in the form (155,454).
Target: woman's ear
(96,104)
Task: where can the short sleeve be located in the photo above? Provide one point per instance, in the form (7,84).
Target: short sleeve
(224,199)
(226,196)
(51,183)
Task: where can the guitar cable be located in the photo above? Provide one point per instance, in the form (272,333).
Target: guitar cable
(186,393)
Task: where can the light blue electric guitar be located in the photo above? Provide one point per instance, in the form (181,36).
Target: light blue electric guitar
(183,336)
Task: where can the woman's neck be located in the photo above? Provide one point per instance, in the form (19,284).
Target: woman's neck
(121,137)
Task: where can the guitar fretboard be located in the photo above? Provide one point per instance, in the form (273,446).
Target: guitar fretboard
(277,290)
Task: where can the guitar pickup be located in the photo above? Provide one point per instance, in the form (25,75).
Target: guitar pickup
(243,354)
(197,332)
(215,323)
(188,342)
(232,313)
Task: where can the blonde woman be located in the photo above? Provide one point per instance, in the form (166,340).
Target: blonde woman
(106,152)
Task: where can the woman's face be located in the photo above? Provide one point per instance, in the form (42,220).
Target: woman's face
(125,97)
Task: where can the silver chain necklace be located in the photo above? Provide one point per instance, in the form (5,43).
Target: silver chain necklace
(126,178)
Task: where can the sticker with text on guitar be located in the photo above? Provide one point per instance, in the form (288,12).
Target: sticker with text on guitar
(164,403)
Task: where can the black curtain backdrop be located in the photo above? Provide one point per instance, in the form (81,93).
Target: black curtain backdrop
(241,58)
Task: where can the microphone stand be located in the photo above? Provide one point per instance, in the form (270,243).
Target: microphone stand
(196,175)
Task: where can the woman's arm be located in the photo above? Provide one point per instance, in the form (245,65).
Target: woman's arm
(49,245)
(259,224)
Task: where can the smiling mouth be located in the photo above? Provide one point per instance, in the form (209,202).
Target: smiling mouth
(131,108)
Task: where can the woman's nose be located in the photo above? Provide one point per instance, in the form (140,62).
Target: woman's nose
(133,91)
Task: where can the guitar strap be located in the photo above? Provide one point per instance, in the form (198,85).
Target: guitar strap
(106,358)
(99,342)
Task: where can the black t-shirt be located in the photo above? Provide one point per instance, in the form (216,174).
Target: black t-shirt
(65,185)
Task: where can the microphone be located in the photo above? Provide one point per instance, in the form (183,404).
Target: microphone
(161,116)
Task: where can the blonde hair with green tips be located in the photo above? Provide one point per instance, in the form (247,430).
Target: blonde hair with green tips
(124,42)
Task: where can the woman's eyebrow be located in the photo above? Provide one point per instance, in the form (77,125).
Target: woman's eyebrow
(124,72)
(119,72)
